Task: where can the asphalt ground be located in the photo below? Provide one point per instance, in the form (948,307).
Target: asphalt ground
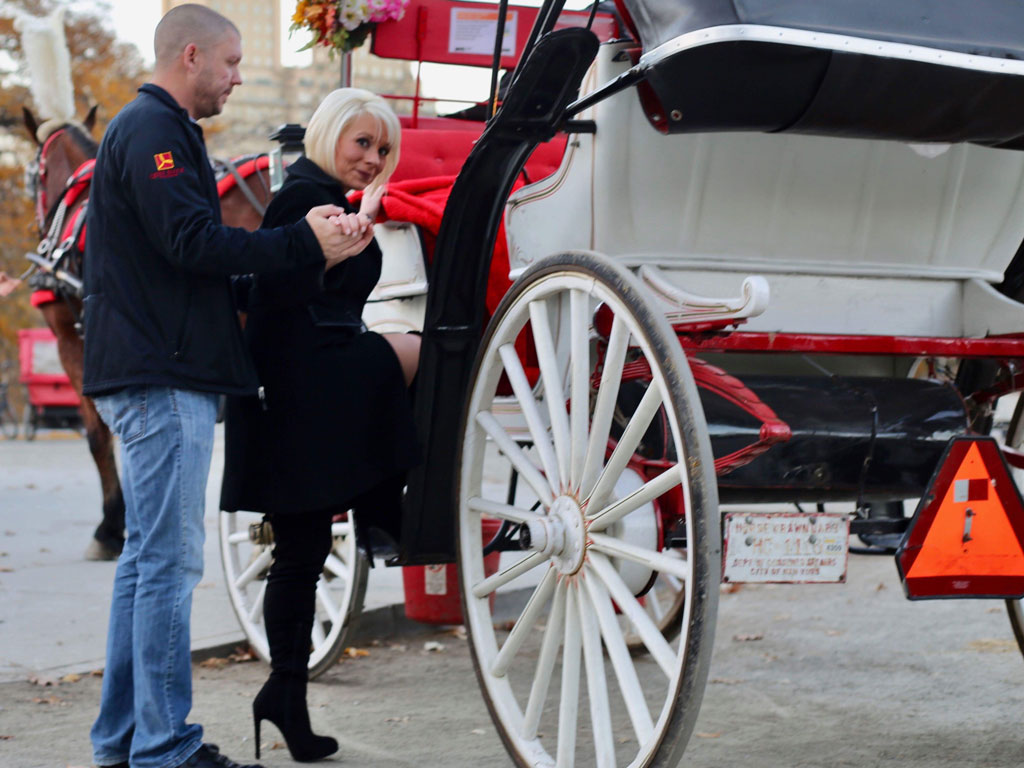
(824,676)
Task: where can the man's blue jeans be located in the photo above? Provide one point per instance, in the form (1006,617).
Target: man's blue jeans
(166,443)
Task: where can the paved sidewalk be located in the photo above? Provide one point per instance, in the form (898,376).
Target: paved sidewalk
(54,604)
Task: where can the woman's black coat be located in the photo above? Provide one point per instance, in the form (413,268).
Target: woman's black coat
(335,427)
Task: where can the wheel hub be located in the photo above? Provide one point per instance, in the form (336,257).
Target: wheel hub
(561,535)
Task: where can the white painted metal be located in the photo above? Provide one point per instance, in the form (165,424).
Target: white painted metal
(727,33)
(577,589)
(339,591)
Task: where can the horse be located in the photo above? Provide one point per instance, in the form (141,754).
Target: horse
(58,182)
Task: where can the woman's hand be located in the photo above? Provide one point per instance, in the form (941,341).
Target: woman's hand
(369,206)
(8,284)
(356,234)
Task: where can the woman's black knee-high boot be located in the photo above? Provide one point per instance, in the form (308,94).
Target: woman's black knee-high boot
(288,609)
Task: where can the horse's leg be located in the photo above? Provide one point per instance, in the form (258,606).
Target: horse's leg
(109,535)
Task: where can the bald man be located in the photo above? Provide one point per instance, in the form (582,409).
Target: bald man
(161,345)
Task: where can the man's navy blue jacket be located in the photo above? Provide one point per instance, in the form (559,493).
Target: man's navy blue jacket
(158,303)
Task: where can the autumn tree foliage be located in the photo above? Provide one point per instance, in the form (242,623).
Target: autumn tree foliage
(105,72)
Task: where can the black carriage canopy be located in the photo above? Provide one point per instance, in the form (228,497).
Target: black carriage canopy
(908,70)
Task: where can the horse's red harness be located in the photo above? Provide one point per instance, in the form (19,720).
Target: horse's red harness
(65,232)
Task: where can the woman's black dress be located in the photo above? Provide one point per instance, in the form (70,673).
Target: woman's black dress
(335,425)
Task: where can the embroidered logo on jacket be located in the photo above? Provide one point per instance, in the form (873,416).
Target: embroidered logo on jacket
(165,166)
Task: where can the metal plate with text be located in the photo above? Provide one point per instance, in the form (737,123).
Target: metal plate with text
(787,548)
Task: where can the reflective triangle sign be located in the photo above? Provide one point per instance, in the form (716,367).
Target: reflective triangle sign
(967,535)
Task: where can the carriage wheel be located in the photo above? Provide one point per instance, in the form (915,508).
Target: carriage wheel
(588,544)
(246,555)
(1013,438)
(8,421)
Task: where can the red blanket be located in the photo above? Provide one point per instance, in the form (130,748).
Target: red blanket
(421,202)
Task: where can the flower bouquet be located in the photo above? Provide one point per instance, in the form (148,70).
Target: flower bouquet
(343,25)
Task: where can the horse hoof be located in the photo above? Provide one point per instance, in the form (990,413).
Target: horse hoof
(97,550)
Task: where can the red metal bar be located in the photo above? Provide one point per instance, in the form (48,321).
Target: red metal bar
(853,344)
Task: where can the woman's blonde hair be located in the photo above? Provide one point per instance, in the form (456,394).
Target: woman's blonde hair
(336,112)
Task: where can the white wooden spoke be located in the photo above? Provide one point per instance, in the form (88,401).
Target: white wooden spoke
(256,612)
(628,442)
(339,530)
(500,579)
(622,662)
(673,582)
(649,491)
(579,382)
(502,511)
(319,636)
(336,567)
(524,624)
(551,379)
(662,563)
(597,684)
(553,634)
(238,537)
(660,650)
(653,604)
(526,468)
(528,406)
(324,597)
(604,406)
(570,692)
(257,565)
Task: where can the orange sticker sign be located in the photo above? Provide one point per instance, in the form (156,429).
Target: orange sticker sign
(967,535)
(164,161)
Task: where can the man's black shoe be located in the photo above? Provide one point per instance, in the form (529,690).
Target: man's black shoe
(209,756)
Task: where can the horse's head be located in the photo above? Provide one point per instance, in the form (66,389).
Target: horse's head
(62,147)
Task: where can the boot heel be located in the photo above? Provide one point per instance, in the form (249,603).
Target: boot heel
(256,726)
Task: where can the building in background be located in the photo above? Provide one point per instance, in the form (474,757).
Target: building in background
(273,94)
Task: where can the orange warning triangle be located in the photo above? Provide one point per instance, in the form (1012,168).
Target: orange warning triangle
(970,537)
(967,536)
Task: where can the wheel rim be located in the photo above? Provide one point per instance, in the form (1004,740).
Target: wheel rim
(339,590)
(560,639)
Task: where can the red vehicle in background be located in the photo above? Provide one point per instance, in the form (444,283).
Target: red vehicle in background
(51,400)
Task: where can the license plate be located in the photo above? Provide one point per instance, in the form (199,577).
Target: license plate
(785,548)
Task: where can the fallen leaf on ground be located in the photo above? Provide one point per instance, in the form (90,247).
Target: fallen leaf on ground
(833,632)
(748,638)
(459,632)
(277,745)
(47,700)
(5,737)
(354,653)
(726,681)
(504,626)
(96,673)
(730,588)
(242,654)
(995,609)
(6,569)
(214,662)
(42,681)
(396,719)
(71,678)
(433,645)
(880,587)
(990,645)
(706,735)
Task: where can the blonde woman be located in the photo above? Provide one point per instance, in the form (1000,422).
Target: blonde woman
(333,427)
